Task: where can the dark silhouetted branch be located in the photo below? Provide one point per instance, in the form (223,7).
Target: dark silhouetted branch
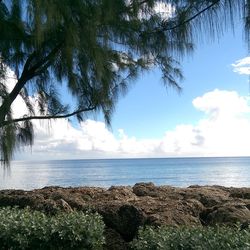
(47,117)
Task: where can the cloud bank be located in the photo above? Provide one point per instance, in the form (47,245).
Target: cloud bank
(224,130)
(242,66)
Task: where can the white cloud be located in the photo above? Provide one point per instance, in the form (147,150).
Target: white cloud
(221,103)
(223,131)
(242,66)
(165,10)
(162,9)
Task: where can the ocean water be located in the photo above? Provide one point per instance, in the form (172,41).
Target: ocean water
(181,172)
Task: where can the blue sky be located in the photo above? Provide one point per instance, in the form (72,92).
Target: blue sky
(149,109)
(210,117)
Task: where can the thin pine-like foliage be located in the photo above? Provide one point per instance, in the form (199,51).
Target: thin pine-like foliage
(97,48)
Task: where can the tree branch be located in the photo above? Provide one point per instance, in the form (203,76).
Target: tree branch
(27,74)
(48,116)
(28,62)
(184,22)
(193,17)
(47,58)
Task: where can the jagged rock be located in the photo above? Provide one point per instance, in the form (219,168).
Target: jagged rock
(121,193)
(243,193)
(115,241)
(209,196)
(20,198)
(65,206)
(145,189)
(125,208)
(228,213)
(124,219)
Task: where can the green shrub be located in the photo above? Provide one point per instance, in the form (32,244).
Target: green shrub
(222,238)
(26,229)
(77,231)
(22,229)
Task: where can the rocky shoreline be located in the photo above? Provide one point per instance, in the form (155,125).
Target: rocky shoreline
(125,208)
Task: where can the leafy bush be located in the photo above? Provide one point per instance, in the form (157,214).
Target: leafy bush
(77,231)
(222,238)
(26,229)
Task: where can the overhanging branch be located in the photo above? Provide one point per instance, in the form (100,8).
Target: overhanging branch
(47,117)
(185,21)
(192,17)
(45,60)
(27,74)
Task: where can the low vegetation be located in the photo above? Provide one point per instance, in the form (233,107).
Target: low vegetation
(223,238)
(26,229)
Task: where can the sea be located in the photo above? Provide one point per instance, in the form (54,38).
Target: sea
(179,172)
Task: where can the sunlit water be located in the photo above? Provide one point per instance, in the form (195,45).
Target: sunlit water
(182,172)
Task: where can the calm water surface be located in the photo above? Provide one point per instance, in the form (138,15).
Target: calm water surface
(182,172)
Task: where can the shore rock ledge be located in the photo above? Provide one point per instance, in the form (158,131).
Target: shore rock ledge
(125,208)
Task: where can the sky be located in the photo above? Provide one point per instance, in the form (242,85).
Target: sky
(210,117)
